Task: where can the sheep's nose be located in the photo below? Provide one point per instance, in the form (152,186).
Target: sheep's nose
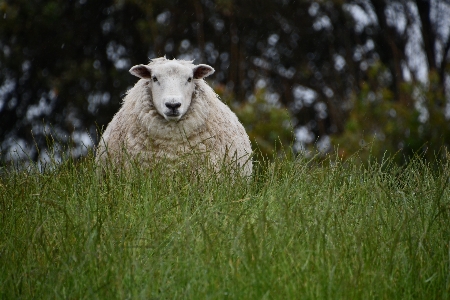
(173,106)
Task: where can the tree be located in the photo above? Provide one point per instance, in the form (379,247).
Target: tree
(401,104)
(66,62)
(57,66)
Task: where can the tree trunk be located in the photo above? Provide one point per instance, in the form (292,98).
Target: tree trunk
(396,43)
(200,31)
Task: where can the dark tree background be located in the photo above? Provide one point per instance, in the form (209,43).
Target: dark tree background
(349,73)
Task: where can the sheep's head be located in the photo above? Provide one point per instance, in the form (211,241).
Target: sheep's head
(172,85)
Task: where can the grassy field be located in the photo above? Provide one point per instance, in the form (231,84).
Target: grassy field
(299,229)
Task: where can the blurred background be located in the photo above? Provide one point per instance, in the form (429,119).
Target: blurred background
(331,75)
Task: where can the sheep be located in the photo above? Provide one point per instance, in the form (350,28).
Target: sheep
(170,112)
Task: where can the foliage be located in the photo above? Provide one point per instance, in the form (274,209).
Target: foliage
(379,124)
(268,125)
(66,62)
(298,229)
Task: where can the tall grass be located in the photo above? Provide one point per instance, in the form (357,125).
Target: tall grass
(298,229)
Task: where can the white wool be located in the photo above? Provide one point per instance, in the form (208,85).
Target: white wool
(147,127)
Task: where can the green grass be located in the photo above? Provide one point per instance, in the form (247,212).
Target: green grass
(297,230)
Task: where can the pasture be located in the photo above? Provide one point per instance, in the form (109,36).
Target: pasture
(299,229)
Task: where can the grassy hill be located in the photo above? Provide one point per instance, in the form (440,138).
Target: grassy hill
(299,229)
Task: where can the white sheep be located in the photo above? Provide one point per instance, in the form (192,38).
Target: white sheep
(171,112)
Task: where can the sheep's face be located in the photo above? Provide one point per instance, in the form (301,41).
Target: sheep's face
(172,85)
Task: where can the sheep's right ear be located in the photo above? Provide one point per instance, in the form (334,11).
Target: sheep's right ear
(141,71)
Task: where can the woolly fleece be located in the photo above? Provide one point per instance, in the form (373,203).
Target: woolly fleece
(208,127)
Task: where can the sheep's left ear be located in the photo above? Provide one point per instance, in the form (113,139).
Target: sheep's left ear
(201,71)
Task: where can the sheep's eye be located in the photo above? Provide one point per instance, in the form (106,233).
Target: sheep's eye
(155,79)
(189,79)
